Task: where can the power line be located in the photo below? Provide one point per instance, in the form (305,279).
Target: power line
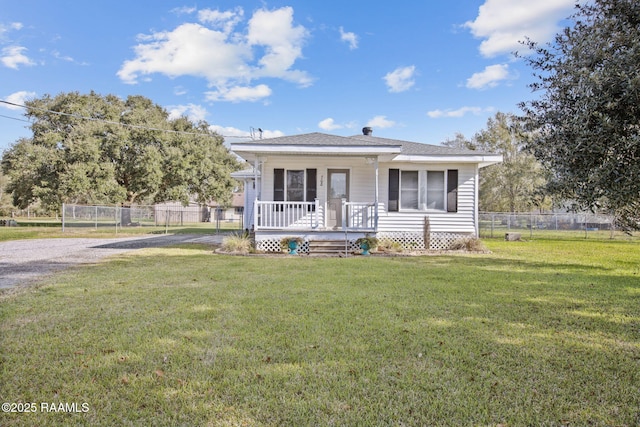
(14,118)
(94,119)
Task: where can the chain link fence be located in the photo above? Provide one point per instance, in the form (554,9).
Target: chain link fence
(497,224)
(117,217)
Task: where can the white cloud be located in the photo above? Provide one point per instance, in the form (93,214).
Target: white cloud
(226,57)
(400,79)
(230,132)
(184,10)
(350,38)
(18,98)
(14,26)
(236,134)
(490,77)
(504,23)
(282,42)
(329,124)
(193,112)
(380,122)
(239,93)
(13,57)
(225,21)
(460,112)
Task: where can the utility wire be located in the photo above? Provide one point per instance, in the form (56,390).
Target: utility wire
(14,118)
(94,119)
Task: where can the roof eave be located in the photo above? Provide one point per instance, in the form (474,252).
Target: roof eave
(480,160)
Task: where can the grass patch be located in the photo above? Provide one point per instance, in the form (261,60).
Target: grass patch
(536,333)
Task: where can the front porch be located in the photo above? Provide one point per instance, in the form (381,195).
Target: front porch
(315,216)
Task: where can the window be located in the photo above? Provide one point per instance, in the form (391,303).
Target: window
(423,190)
(409,190)
(435,190)
(294,185)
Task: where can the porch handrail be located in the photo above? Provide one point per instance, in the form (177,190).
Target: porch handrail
(360,216)
(269,215)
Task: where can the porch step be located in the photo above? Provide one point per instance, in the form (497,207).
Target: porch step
(326,247)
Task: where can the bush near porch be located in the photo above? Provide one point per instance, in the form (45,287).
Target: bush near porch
(536,333)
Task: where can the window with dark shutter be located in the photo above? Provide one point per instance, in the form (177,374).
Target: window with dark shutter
(452,190)
(394,189)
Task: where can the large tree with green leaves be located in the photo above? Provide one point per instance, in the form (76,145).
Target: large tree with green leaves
(515,184)
(88,148)
(586,124)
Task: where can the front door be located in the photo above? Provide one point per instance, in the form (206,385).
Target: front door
(338,189)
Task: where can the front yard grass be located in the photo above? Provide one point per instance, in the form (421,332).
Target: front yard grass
(537,333)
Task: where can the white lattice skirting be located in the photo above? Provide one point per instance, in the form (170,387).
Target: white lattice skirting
(415,241)
(273,245)
(409,241)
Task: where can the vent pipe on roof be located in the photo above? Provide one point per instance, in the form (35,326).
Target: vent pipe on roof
(367,131)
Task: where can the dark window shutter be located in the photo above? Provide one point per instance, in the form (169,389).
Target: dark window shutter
(452,190)
(394,189)
(278,185)
(311,185)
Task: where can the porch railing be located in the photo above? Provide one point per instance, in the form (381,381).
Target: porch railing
(356,216)
(290,215)
(359,216)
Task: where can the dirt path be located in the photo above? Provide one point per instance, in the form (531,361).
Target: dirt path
(22,261)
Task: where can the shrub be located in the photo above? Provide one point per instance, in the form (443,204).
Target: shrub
(471,244)
(388,245)
(237,243)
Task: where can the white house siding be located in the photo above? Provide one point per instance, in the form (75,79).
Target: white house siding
(362,175)
(462,222)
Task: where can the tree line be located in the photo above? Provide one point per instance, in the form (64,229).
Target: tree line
(93,149)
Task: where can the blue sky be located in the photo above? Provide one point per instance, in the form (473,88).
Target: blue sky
(414,70)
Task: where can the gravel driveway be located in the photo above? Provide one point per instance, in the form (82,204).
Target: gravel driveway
(22,261)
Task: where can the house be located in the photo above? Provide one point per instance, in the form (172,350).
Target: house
(229,213)
(324,187)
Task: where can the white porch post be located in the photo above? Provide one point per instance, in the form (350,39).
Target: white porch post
(375,208)
(258,192)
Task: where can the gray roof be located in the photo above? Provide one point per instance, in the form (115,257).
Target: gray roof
(418,148)
(322,139)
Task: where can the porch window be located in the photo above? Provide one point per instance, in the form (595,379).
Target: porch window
(423,190)
(294,185)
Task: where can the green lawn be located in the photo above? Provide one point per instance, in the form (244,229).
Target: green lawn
(537,333)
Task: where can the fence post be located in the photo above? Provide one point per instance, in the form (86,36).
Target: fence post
(96,222)
(493,217)
(531,225)
(63,218)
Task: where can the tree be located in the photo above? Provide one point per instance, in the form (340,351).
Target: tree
(586,124)
(515,184)
(102,149)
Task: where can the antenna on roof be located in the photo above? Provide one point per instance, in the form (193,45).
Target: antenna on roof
(253,133)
